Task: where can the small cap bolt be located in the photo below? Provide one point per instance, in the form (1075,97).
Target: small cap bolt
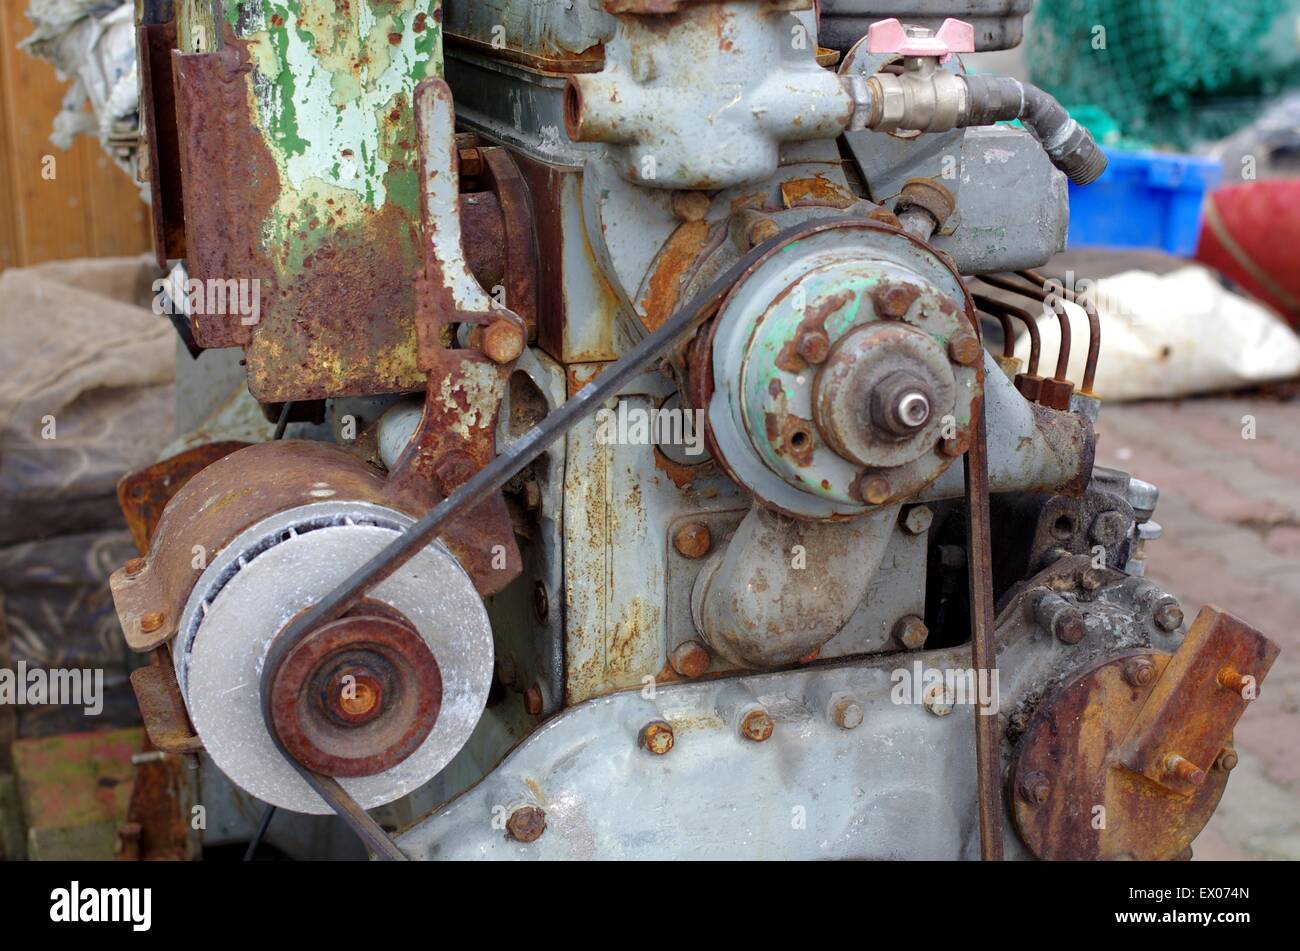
(1139,672)
(1035,787)
(692,540)
(657,737)
(151,622)
(690,659)
(134,567)
(1226,760)
(533,700)
(756,725)
(911,632)
(526,824)
(955,445)
(917,519)
(1168,615)
(964,348)
(690,205)
(846,712)
(813,345)
(892,300)
(503,341)
(874,489)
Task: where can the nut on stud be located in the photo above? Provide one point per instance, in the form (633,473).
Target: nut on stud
(503,341)
(964,348)
(911,632)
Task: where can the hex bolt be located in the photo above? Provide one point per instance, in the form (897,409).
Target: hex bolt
(892,300)
(692,540)
(1184,769)
(874,489)
(503,341)
(1168,615)
(911,632)
(541,602)
(533,700)
(1226,760)
(1139,671)
(964,348)
(1061,619)
(526,824)
(657,737)
(814,345)
(151,622)
(917,519)
(1109,528)
(756,724)
(690,205)
(134,567)
(690,659)
(1035,787)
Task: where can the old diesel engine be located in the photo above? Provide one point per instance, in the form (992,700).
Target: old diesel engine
(650,488)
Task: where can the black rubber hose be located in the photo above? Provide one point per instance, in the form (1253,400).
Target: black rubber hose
(1068,144)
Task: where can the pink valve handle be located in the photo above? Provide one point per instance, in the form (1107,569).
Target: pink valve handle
(889,36)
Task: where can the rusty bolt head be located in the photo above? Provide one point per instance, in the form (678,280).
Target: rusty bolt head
(964,348)
(507,670)
(892,301)
(756,725)
(526,824)
(874,489)
(911,632)
(917,519)
(1226,760)
(1069,627)
(657,737)
(955,445)
(503,341)
(1168,615)
(846,712)
(541,603)
(813,345)
(533,700)
(134,567)
(1035,787)
(690,659)
(692,540)
(1092,579)
(1139,671)
(1109,528)
(690,206)
(762,229)
(151,621)
(532,495)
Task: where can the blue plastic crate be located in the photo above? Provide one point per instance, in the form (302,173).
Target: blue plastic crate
(1144,200)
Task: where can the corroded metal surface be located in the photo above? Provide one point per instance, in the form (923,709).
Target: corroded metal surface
(143,495)
(1078,789)
(297,140)
(161,706)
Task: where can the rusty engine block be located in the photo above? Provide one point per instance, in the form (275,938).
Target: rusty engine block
(662,485)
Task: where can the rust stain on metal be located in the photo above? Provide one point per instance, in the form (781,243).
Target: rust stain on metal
(817,190)
(675,260)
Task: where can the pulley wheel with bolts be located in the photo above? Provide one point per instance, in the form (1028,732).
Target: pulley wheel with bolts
(418,651)
(357,696)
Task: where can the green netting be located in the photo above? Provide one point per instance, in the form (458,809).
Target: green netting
(1171,72)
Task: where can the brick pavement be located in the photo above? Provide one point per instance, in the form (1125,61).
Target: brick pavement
(1230,508)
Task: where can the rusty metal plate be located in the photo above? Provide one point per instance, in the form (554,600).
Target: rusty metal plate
(143,495)
(154,43)
(1193,708)
(161,706)
(298,152)
(1072,800)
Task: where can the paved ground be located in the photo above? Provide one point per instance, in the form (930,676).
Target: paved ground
(1230,507)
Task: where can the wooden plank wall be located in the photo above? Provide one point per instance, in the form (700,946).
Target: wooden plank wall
(90,208)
